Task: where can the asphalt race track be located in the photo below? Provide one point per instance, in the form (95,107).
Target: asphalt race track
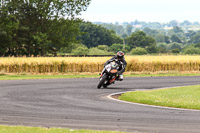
(77,103)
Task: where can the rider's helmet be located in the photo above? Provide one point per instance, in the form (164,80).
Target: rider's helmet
(120,55)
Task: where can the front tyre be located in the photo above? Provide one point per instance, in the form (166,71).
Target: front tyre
(102,81)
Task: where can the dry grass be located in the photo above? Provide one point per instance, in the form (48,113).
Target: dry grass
(41,65)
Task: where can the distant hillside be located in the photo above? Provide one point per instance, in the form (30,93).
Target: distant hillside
(121,28)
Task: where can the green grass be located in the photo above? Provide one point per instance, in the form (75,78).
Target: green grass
(160,74)
(22,129)
(86,75)
(27,76)
(182,97)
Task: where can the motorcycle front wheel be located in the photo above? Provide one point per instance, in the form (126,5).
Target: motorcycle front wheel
(102,81)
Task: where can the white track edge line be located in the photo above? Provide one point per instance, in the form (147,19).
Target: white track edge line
(147,105)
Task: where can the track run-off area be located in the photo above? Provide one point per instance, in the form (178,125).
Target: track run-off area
(77,103)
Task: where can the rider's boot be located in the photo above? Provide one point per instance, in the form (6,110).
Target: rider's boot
(120,77)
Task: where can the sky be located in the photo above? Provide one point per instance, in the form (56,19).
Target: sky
(142,10)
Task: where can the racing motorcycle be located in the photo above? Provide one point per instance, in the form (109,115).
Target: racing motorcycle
(108,75)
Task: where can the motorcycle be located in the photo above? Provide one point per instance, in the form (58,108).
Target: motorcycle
(108,75)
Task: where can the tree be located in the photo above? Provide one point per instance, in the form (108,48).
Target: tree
(185,23)
(175,38)
(139,39)
(177,32)
(129,29)
(25,20)
(162,47)
(119,29)
(150,32)
(174,45)
(41,43)
(197,45)
(190,33)
(167,39)
(160,38)
(173,23)
(3,42)
(177,29)
(94,35)
(195,38)
(9,27)
(63,33)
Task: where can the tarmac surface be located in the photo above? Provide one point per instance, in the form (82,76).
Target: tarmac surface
(78,104)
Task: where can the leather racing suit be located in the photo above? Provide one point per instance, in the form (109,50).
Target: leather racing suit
(122,67)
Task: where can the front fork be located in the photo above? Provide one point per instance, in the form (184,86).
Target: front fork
(102,72)
(112,80)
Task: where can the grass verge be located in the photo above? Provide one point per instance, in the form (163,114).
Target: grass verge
(28,76)
(86,75)
(181,97)
(22,129)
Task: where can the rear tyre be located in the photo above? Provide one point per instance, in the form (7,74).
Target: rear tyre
(104,86)
(102,81)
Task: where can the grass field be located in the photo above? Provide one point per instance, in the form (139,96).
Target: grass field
(44,65)
(86,75)
(182,97)
(22,129)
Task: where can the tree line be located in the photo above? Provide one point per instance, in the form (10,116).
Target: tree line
(147,41)
(40,28)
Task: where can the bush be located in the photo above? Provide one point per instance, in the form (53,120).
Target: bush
(81,50)
(103,47)
(70,47)
(191,50)
(116,47)
(139,51)
(152,49)
(174,45)
(119,47)
(96,51)
(175,51)
(162,47)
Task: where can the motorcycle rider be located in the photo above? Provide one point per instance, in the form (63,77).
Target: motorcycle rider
(119,58)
